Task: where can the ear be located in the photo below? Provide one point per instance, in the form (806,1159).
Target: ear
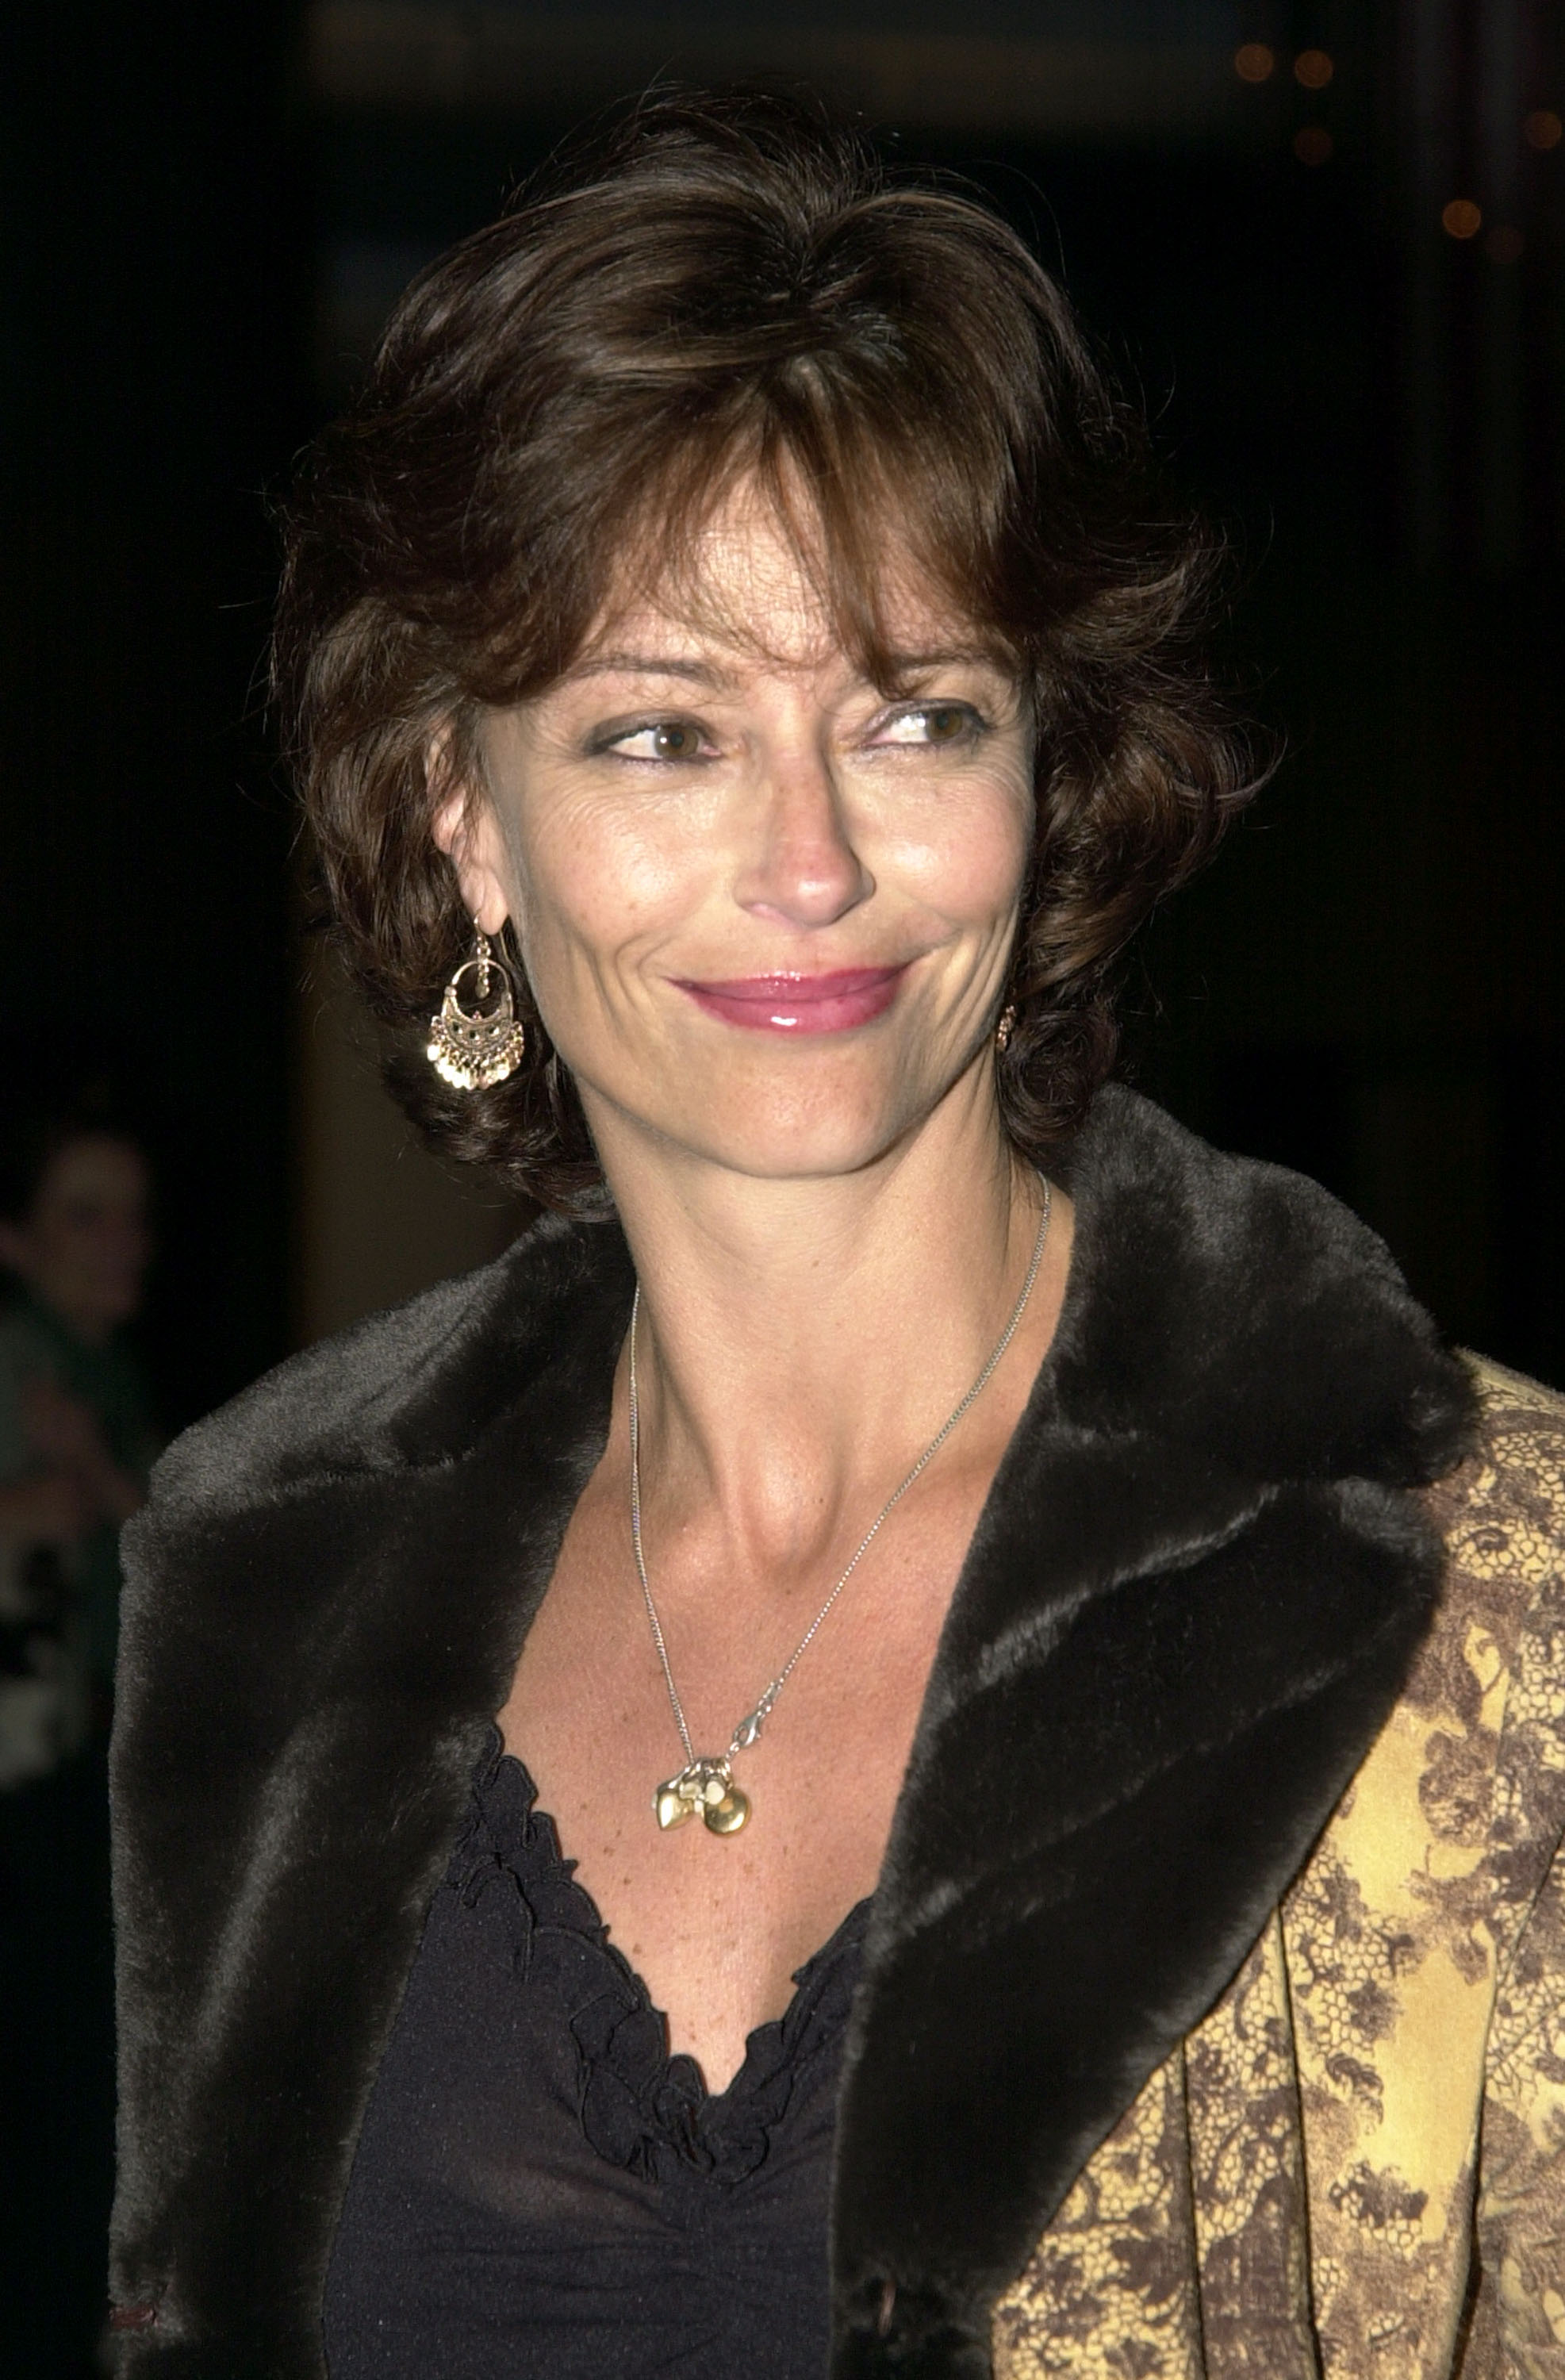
(466,829)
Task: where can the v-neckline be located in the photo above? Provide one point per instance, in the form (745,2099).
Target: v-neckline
(587,1919)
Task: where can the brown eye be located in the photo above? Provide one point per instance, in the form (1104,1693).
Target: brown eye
(929,723)
(946,722)
(655,739)
(675,739)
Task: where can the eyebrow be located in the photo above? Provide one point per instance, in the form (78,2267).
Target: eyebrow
(649,665)
(971,656)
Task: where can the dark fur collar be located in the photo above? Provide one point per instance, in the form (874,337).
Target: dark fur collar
(1189,1605)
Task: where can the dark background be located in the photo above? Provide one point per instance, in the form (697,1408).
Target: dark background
(210,208)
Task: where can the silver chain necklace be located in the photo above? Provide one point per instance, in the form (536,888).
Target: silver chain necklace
(705,1785)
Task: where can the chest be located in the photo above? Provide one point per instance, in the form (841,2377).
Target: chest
(719,1925)
(539,2186)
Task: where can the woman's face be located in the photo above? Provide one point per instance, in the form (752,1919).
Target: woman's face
(85,1244)
(766,913)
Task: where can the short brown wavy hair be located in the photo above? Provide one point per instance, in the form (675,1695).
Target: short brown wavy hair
(731,285)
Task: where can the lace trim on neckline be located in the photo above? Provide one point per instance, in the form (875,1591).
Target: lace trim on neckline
(641,2106)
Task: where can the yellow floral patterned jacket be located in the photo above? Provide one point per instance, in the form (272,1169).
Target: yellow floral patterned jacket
(1355,2167)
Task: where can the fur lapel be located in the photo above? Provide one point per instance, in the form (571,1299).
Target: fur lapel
(1189,1603)
(326,1597)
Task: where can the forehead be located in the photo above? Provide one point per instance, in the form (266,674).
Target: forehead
(756,580)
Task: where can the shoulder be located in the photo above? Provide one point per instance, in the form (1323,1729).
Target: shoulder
(404,1389)
(1492,1665)
(332,1503)
(1239,1309)
(1423,1939)
(1502,1512)
(1464,1790)
(1501,1517)
(1496,1653)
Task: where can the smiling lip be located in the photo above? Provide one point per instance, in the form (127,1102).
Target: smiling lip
(801,1003)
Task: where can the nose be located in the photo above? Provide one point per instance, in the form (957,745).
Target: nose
(802,869)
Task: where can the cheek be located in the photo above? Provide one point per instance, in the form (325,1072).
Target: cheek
(593,880)
(970,863)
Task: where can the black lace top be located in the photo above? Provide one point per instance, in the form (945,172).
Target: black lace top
(542,2189)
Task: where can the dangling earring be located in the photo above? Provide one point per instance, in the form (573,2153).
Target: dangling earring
(468,1048)
(1003,1029)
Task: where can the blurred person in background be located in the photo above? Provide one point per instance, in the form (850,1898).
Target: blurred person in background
(923,1736)
(76,1434)
(76,1440)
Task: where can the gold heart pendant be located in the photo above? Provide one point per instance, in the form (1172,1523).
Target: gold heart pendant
(672,1807)
(727,1816)
(706,1789)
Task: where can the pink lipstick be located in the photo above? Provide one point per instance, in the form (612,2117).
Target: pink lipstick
(800,1003)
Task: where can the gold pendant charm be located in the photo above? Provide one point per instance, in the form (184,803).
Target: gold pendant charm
(706,1789)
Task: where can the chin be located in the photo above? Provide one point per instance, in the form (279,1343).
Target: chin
(820,1113)
(786,1143)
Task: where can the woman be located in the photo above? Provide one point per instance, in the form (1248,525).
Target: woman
(76,1434)
(940,1545)
(76,1444)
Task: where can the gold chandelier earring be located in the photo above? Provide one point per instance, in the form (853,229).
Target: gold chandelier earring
(473,1048)
(1005,1029)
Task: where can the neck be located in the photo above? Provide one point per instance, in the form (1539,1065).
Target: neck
(801,1340)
